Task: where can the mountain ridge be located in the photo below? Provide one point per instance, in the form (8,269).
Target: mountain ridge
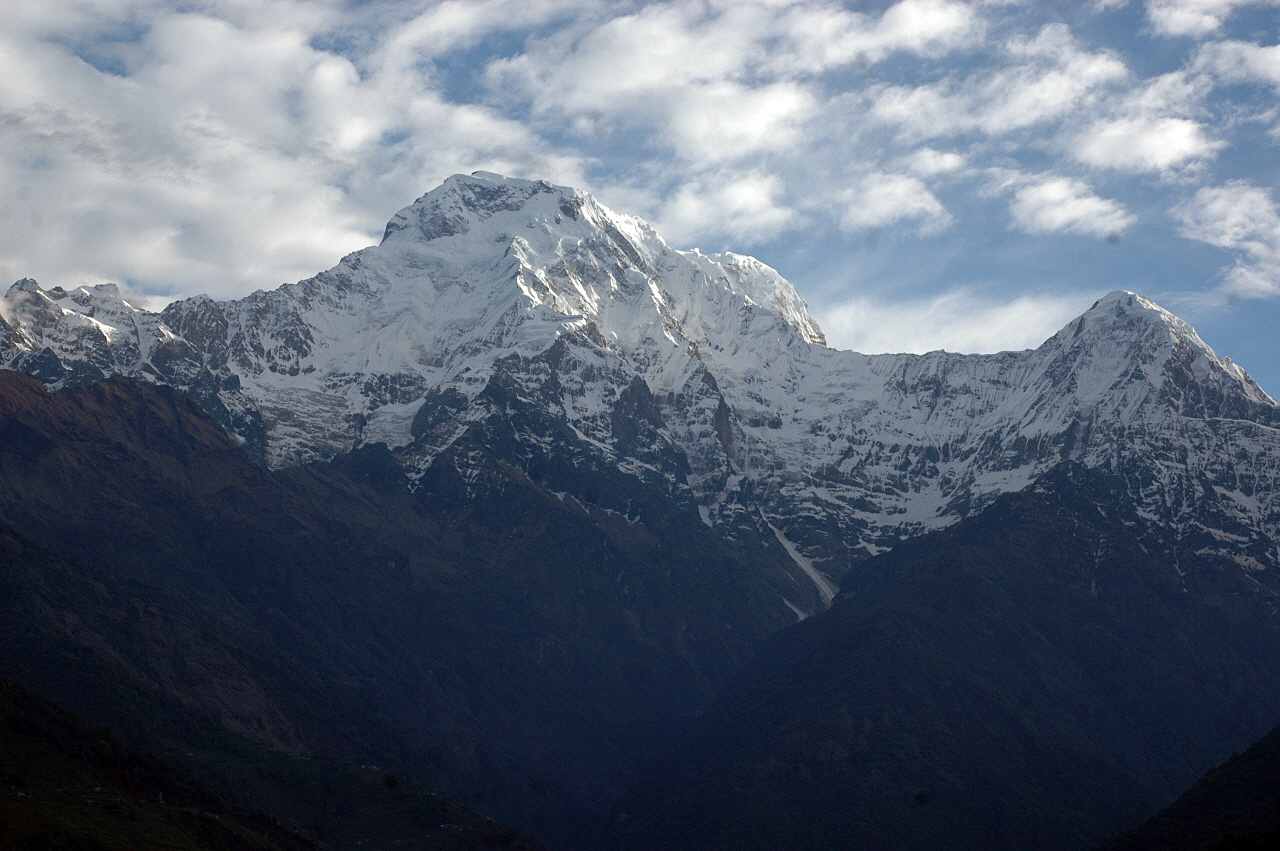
(749,416)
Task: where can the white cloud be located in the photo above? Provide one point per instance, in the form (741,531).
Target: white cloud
(1180,93)
(632,62)
(1241,61)
(1053,204)
(820,37)
(1142,144)
(744,206)
(458,24)
(928,162)
(1155,126)
(1045,77)
(716,82)
(1194,17)
(959,320)
(674,73)
(1242,218)
(881,199)
(724,120)
(925,27)
(231,153)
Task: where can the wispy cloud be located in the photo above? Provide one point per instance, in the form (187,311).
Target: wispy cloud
(928,162)
(1241,61)
(1046,77)
(750,202)
(819,37)
(1244,219)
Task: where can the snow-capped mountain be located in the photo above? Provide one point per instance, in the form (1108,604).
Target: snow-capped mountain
(703,376)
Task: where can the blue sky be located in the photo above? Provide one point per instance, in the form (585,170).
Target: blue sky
(930,173)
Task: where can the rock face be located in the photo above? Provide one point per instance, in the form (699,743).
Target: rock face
(701,375)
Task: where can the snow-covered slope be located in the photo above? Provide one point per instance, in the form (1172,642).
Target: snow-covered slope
(702,375)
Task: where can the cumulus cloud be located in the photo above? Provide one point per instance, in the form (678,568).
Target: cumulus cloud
(724,120)
(1194,17)
(625,63)
(1181,93)
(1055,204)
(881,199)
(1155,126)
(821,37)
(1242,218)
(722,81)
(1145,144)
(959,320)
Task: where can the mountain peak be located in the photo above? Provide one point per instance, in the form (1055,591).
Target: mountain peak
(559,247)
(1127,305)
(1126,339)
(455,205)
(1125,300)
(1122,321)
(26,285)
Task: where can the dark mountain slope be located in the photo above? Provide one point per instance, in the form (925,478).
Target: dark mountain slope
(174,679)
(1035,677)
(67,785)
(1240,797)
(526,648)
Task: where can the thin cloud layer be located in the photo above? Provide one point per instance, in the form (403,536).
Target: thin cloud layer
(958,320)
(1046,76)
